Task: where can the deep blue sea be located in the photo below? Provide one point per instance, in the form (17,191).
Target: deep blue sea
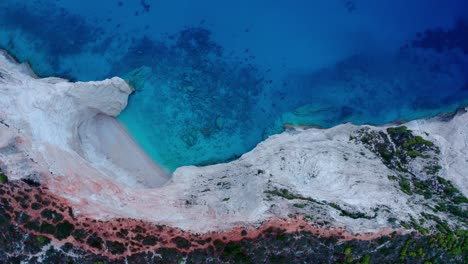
(214,78)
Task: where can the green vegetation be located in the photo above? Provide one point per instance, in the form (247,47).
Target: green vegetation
(284,193)
(42,239)
(95,241)
(149,241)
(418,140)
(64,230)
(448,189)
(396,150)
(353,215)
(299,205)
(405,225)
(453,244)
(420,229)
(79,234)
(181,242)
(433,170)
(47,228)
(115,247)
(457,211)
(231,249)
(349,259)
(365,260)
(392,177)
(3,178)
(407,145)
(422,188)
(281,237)
(405,185)
(415,154)
(36,206)
(348,251)
(52,215)
(398,130)
(460,199)
(234,251)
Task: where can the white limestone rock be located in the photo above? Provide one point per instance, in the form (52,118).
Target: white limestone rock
(65,134)
(56,120)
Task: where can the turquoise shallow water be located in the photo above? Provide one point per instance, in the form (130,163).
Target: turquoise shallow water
(214,78)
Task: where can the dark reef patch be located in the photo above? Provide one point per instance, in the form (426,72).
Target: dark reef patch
(441,40)
(58,32)
(209,94)
(193,73)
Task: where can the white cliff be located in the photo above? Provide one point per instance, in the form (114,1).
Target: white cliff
(64,135)
(58,120)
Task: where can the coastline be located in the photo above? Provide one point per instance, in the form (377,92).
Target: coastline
(63,151)
(118,145)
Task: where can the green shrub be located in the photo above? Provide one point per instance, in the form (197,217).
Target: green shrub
(405,186)
(42,239)
(418,140)
(3,178)
(365,259)
(348,251)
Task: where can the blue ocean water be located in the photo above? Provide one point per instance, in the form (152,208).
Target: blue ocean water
(214,78)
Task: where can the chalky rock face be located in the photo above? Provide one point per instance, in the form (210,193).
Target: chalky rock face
(55,126)
(75,176)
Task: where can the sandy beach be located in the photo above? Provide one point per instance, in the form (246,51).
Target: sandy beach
(120,148)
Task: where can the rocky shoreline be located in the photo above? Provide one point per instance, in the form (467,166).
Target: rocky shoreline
(75,186)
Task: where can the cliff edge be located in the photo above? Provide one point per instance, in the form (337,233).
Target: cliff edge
(59,140)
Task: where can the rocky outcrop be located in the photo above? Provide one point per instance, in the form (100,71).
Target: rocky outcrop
(346,182)
(53,124)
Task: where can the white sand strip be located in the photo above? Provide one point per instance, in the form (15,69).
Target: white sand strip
(117,145)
